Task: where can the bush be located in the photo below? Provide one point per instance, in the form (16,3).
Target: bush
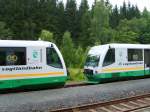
(76,74)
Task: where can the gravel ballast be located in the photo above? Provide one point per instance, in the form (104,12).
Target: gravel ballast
(46,100)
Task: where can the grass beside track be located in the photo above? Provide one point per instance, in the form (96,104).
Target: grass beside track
(76,74)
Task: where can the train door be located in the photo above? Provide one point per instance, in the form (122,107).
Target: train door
(147,61)
(34,55)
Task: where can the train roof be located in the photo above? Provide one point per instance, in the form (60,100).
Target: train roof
(114,45)
(24,43)
(102,48)
(130,45)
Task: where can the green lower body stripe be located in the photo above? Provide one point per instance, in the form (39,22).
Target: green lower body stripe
(32,82)
(117,75)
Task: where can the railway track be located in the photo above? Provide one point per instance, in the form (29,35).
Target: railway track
(121,105)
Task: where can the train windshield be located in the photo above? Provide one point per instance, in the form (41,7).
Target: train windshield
(53,58)
(92,60)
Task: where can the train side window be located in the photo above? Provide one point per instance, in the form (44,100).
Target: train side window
(53,58)
(2,58)
(12,56)
(135,55)
(110,57)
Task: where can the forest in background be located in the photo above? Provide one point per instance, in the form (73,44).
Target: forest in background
(74,28)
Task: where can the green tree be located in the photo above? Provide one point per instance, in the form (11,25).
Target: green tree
(129,12)
(85,21)
(128,31)
(123,11)
(132,12)
(145,32)
(71,21)
(5,33)
(67,49)
(60,25)
(84,38)
(138,26)
(99,22)
(126,37)
(137,12)
(146,14)
(46,36)
(83,8)
(79,56)
(114,17)
(108,35)
(17,14)
(145,38)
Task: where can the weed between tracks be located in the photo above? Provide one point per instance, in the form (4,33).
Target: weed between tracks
(76,75)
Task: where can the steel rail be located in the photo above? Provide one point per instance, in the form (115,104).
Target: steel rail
(139,102)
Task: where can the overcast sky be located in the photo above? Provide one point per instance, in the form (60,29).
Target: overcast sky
(140,3)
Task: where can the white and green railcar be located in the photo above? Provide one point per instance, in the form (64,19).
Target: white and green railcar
(115,61)
(29,64)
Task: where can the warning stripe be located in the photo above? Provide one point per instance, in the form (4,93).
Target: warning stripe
(31,75)
(122,69)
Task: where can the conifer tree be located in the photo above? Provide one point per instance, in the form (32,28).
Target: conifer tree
(123,11)
(99,22)
(114,17)
(71,22)
(5,33)
(84,19)
(67,49)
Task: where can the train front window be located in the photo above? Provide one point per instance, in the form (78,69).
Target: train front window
(52,58)
(92,60)
(109,58)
